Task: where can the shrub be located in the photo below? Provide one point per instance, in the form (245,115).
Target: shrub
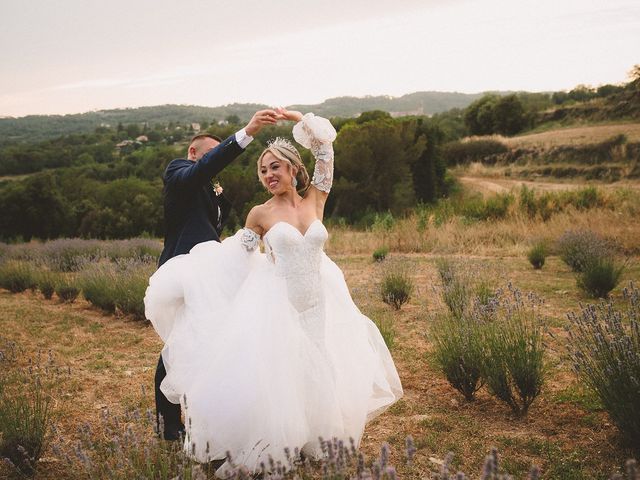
(458,351)
(527,201)
(379,254)
(578,248)
(117,287)
(396,288)
(47,283)
(387,329)
(98,285)
(132,282)
(25,421)
(604,343)
(66,290)
(480,150)
(495,207)
(599,276)
(455,289)
(17,276)
(537,255)
(513,365)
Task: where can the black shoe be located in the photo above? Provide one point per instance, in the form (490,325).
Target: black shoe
(175,433)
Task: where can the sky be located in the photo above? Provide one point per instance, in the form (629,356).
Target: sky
(72,56)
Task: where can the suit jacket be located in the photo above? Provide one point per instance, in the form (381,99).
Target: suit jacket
(193,213)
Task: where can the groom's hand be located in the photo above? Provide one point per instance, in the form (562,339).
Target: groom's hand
(285,114)
(259,120)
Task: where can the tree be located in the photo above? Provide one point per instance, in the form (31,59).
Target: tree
(373,173)
(478,117)
(493,114)
(509,116)
(428,170)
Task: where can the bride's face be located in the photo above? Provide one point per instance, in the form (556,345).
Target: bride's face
(275,174)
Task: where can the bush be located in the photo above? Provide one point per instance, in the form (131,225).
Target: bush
(604,343)
(47,283)
(495,207)
(379,254)
(537,255)
(513,365)
(17,276)
(578,248)
(98,285)
(455,289)
(467,151)
(458,351)
(66,290)
(25,421)
(599,277)
(117,287)
(396,288)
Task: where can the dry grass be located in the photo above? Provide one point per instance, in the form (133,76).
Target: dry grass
(574,136)
(509,237)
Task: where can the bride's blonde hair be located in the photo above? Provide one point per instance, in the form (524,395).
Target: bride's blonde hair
(283,150)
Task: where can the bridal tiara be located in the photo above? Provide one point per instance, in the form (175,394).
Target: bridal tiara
(280,142)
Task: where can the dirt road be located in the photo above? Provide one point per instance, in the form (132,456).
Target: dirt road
(488,185)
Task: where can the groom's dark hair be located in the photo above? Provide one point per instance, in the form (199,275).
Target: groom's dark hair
(205,135)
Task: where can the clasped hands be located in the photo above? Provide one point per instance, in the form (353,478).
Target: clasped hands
(270,117)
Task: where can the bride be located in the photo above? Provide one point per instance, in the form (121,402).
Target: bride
(267,350)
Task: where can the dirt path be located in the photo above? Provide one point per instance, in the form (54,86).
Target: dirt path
(503,185)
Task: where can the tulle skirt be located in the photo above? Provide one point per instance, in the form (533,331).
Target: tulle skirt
(253,374)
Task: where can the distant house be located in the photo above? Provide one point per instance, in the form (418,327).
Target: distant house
(195,127)
(417,112)
(222,123)
(142,139)
(124,143)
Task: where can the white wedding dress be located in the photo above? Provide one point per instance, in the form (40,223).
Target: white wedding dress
(267,350)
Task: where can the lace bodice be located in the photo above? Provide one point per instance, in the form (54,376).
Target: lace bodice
(297,257)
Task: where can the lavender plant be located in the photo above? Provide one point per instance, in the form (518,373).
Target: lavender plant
(25,419)
(579,248)
(513,364)
(120,286)
(73,254)
(379,254)
(456,289)
(605,349)
(66,289)
(599,276)
(17,276)
(458,351)
(537,255)
(47,280)
(25,408)
(396,287)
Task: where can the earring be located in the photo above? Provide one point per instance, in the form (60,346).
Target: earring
(294,182)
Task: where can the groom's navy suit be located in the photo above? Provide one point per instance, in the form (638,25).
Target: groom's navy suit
(193,213)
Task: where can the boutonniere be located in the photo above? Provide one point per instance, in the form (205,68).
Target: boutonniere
(217,189)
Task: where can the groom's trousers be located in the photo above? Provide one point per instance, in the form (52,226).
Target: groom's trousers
(171,423)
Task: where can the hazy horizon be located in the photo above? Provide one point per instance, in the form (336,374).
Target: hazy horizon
(74,56)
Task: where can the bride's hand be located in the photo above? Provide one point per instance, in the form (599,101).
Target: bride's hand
(285,114)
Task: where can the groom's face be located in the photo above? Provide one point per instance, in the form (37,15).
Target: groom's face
(201,146)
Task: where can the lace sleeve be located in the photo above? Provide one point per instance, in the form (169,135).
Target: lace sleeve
(249,239)
(317,134)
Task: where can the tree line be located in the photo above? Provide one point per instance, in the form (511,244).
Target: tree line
(84,186)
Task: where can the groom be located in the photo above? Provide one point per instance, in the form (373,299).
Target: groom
(195,213)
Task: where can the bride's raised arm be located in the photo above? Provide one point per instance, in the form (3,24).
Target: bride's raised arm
(317,134)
